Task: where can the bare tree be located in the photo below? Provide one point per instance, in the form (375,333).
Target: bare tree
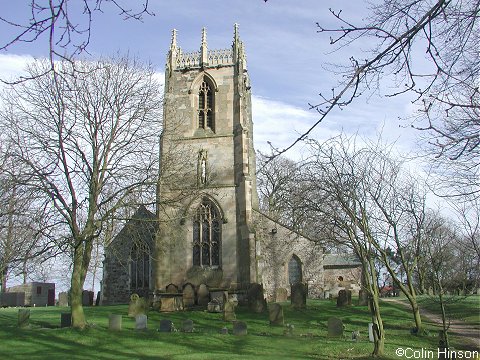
(87,135)
(426,48)
(65,25)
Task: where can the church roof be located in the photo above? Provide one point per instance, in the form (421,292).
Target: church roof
(341,260)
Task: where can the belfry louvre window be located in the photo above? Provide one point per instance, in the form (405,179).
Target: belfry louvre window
(205,106)
(207,235)
(139,267)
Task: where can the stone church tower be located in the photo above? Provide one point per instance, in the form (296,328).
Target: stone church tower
(207,183)
(207,228)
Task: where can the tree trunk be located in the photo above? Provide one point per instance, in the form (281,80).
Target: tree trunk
(78,316)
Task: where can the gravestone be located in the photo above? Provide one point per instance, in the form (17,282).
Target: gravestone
(87,298)
(63,299)
(256,300)
(137,306)
(355,335)
(65,320)
(203,295)
(187,326)
(224,331)
(335,327)
(214,306)
(172,288)
(229,311)
(362,298)
(327,294)
(188,295)
(220,295)
(23,317)
(239,328)
(114,322)
(349,297)
(281,295)
(166,325)
(298,296)
(141,322)
(275,314)
(342,299)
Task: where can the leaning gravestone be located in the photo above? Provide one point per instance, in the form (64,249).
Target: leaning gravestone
(141,322)
(335,327)
(63,299)
(281,295)
(115,322)
(298,296)
(188,295)
(342,299)
(362,298)
(187,326)
(203,295)
(239,328)
(166,325)
(23,317)
(229,311)
(275,314)
(65,320)
(256,300)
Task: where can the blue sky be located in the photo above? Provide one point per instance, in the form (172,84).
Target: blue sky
(287,59)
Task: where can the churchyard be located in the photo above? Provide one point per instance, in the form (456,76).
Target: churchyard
(304,334)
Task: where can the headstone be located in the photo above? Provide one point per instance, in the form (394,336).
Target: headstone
(349,297)
(188,295)
(65,320)
(172,288)
(335,327)
(342,299)
(256,300)
(275,314)
(229,311)
(203,295)
(281,295)
(63,299)
(224,330)
(355,335)
(166,325)
(239,328)
(370,332)
(187,326)
(115,322)
(87,298)
(298,296)
(141,322)
(23,317)
(214,306)
(327,294)
(220,296)
(362,298)
(137,306)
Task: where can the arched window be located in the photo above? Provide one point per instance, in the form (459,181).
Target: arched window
(205,106)
(139,267)
(207,235)
(294,270)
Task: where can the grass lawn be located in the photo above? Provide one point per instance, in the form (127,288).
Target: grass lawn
(466,308)
(45,340)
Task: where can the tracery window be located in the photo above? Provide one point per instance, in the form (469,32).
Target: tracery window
(207,235)
(205,106)
(139,267)
(294,270)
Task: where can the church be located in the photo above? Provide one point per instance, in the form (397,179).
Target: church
(207,228)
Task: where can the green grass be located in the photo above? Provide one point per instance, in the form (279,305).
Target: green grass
(45,340)
(466,308)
